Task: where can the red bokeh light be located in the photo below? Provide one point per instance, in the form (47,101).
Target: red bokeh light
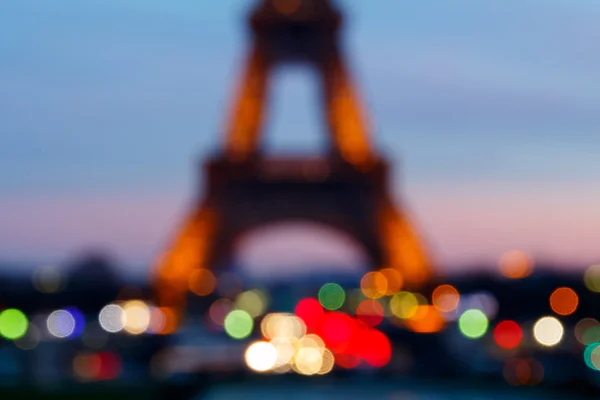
(337,330)
(311,312)
(110,366)
(508,334)
(376,348)
(370,312)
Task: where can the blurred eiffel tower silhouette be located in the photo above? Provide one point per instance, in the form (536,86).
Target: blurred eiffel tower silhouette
(347,189)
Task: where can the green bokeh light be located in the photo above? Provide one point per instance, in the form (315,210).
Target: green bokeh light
(13,324)
(332,296)
(473,324)
(591,356)
(239,324)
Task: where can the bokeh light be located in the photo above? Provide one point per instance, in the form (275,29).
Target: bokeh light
(308,361)
(87,367)
(394,279)
(13,324)
(219,309)
(473,323)
(591,278)
(61,324)
(282,325)
(427,319)
(548,331)
(374,285)
(404,305)
(515,264)
(254,302)
(202,282)
(158,320)
(331,296)
(238,324)
(370,312)
(310,311)
(48,279)
(591,356)
(111,318)
(135,317)
(523,372)
(508,334)
(587,331)
(285,351)
(445,298)
(328,362)
(564,301)
(30,340)
(97,366)
(261,356)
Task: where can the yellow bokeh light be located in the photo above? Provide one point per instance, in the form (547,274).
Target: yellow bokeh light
(591,278)
(515,264)
(135,317)
(404,305)
(308,361)
(261,356)
(374,285)
(253,302)
(445,298)
(548,331)
(312,341)
(285,351)
(282,325)
(328,362)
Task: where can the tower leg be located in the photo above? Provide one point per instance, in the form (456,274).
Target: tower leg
(402,248)
(190,250)
(246,119)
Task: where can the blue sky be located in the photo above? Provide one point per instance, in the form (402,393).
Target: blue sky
(492,109)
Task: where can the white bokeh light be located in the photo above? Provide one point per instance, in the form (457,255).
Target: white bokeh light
(111,318)
(548,331)
(61,324)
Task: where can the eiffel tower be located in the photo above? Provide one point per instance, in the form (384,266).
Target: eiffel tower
(347,189)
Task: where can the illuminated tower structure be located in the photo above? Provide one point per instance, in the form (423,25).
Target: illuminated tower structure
(347,189)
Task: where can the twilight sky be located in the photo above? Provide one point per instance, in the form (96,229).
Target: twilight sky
(493,108)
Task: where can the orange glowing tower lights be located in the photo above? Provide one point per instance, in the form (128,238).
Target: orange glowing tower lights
(245,189)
